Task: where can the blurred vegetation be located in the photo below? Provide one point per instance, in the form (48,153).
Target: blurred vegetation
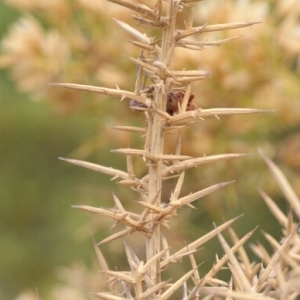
(77,41)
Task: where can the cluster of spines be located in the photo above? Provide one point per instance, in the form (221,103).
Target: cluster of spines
(157,69)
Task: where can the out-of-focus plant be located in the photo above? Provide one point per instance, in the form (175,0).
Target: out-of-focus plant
(50,41)
(76,280)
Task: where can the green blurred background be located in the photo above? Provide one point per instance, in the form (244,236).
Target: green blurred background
(37,225)
(39,230)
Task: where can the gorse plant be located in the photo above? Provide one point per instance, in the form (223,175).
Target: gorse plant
(165,97)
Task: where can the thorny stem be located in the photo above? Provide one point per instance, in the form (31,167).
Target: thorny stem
(158,116)
(157,138)
(155,184)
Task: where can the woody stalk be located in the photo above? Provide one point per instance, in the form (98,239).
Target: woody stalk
(167,104)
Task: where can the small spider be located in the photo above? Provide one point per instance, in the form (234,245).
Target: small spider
(174,100)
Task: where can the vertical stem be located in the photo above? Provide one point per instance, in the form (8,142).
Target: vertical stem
(168,33)
(157,138)
(154,188)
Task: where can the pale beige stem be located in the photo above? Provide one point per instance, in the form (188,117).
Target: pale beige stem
(157,138)
(154,188)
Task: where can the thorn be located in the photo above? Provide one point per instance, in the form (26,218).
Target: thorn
(114,178)
(217,117)
(113,225)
